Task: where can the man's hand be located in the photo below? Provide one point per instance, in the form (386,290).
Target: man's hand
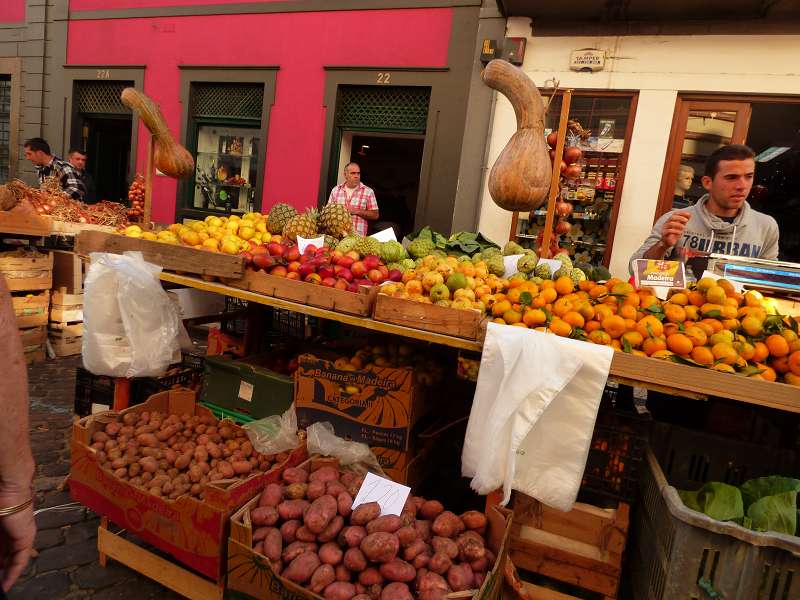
(16,539)
(673,228)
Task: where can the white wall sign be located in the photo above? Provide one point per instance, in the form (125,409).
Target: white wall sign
(587,59)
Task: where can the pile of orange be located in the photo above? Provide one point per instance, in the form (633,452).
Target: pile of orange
(709,325)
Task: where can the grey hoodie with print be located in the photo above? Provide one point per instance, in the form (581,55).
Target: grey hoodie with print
(752,234)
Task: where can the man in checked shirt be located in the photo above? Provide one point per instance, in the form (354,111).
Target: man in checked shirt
(38,152)
(357,198)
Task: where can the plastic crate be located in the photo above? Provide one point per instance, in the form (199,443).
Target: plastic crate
(238,326)
(224,413)
(91,389)
(290,324)
(681,554)
(144,387)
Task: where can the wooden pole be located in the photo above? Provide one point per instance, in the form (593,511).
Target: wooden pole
(555,187)
(149,177)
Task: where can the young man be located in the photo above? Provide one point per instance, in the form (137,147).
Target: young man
(356,197)
(722,221)
(38,152)
(77,158)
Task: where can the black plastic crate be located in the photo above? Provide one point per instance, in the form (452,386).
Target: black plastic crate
(236,326)
(617,449)
(193,360)
(92,389)
(144,387)
(290,324)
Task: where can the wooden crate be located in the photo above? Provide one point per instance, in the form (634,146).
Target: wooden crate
(583,547)
(66,346)
(66,329)
(352,303)
(168,256)
(66,308)
(23,220)
(33,336)
(35,354)
(31,310)
(27,273)
(68,271)
(468,324)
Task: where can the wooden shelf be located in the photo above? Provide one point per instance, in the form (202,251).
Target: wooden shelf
(650,373)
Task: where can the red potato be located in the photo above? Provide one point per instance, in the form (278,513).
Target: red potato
(418,547)
(242,467)
(354,560)
(479,579)
(423,529)
(331,554)
(295,549)
(272,495)
(470,548)
(113,429)
(259,548)
(339,590)
(292,509)
(320,514)
(481,565)
(432,581)
(149,464)
(304,535)
(352,536)
(264,516)
(406,535)
(370,576)
(302,568)
(460,577)
(447,525)
(147,439)
(440,563)
(345,503)
(334,488)
(362,597)
(316,489)
(431,509)
(396,591)
(387,523)
(342,574)
(322,578)
(446,546)
(332,530)
(474,520)
(421,560)
(100,436)
(347,477)
(295,475)
(184,459)
(273,545)
(355,485)
(365,513)
(260,533)
(325,474)
(380,546)
(398,570)
(289,530)
(374,591)
(201,454)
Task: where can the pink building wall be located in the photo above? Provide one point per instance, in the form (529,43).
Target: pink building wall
(300,43)
(12,11)
(121,4)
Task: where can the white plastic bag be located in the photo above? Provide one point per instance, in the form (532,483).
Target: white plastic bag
(131,326)
(321,439)
(275,434)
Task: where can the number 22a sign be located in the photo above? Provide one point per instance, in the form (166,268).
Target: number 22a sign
(389,495)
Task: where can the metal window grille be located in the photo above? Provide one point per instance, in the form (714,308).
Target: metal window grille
(227,100)
(5,126)
(101,97)
(403,108)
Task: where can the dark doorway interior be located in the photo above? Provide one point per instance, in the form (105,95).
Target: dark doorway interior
(391,166)
(107,141)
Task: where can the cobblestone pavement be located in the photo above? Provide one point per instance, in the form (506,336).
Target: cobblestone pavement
(66,542)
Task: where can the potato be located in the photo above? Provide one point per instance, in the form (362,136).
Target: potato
(398,570)
(421,560)
(387,523)
(474,520)
(316,489)
(374,591)
(195,474)
(295,491)
(362,597)
(431,509)
(113,429)
(302,568)
(339,590)
(272,495)
(147,439)
(289,530)
(423,529)
(304,534)
(332,530)
(446,546)
(470,546)
(447,525)
(295,549)
(380,546)
(295,475)
(134,469)
(365,513)
(460,577)
(354,560)
(264,516)
(352,536)
(213,450)
(320,514)
(149,464)
(100,436)
(121,472)
(432,581)
(479,579)
(330,553)
(396,591)
(418,547)
(481,565)
(370,576)
(342,574)
(406,535)
(322,578)
(129,418)
(355,485)
(201,454)
(242,467)
(183,460)
(334,488)
(273,545)
(292,509)
(325,474)
(440,563)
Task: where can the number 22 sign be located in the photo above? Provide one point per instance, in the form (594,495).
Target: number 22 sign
(389,495)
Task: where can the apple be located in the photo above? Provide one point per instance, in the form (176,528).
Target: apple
(354,255)
(279,271)
(365,282)
(253,244)
(384,271)
(321,251)
(359,269)
(345,261)
(248,257)
(263,261)
(375,276)
(352,287)
(336,255)
(313,278)
(293,275)
(293,253)
(345,274)
(275,249)
(293,266)
(326,271)
(395,275)
(259,250)
(305,269)
(371,262)
(329,281)
(341,284)
(310,249)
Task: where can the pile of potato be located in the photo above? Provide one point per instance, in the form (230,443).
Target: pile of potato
(173,455)
(306,528)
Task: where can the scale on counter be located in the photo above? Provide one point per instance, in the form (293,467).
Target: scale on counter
(773,275)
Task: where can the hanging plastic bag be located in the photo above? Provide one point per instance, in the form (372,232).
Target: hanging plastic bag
(131,326)
(274,434)
(321,439)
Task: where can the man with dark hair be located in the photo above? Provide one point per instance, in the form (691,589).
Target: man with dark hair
(77,158)
(722,220)
(38,152)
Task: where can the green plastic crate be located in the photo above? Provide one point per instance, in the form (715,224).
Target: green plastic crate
(243,386)
(224,413)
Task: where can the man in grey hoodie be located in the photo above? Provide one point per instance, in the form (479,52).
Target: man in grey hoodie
(721,221)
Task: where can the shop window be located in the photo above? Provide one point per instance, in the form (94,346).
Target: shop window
(5,127)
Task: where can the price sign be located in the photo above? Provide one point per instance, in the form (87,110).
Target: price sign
(302,243)
(389,495)
(659,273)
(385,235)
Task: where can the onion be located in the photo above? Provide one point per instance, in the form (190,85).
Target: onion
(572,155)
(571,172)
(563,226)
(563,166)
(552,139)
(552,154)
(563,209)
(40,210)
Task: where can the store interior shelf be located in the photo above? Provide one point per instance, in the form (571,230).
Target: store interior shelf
(228,155)
(658,375)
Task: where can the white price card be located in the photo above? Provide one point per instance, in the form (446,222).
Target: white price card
(510,264)
(246,391)
(389,495)
(302,243)
(385,235)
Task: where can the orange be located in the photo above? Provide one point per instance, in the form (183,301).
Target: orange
(630,325)
(670,328)
(654,344)
(534,317)
(549,295)
(586,285)
(498,320)
(761,352)
(622,288)
(565,285)
(725,353)
(716,295)
(792,379)
(650,327)
(614,325)
(591,326)
(696,298)
(560,327)
(574,318)
(781,365)
(777,344)
(562,306)
(731,324)
(725,368)
(648,301)
(706,283)
(727,286)
(752,325)
(512,316)
(598,291)
(632,299)
(729,312)
(500,307)
(679,298)
(663,354)
(602,311)
(616,345)
(514,293)
(794,362)
(697,335)
(634,338)
(753,298)
(714,323)
(626,311)
(768,374)
(702,355)
(519,325)
(586,309)
(599,336)
(674,313)
(679,343)
(789,335)
(745,349)
(713,311)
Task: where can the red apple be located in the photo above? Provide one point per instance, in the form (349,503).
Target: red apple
(293,275)
(345,261)
(376,276)
(305,269)
(352,287)
(329,281)
(336,255)
(275,249)
(258,250)
(359,269)
(263,261)
(365,282)
(395,275)
(371,262)
(278,271)
(326,271)
(293,266)
(347,275)
(384,271)
(247,256)
(313,278)
(310,249)
(253,244)
(354,255)
(341,284)
(293,253)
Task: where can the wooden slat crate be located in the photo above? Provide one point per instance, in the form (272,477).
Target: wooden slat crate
(31,310)
(66,346)
(27,272)
(468,324)
(33,336)
(66,308)
(35,353)
(68,271)
(58,329)
(583,547)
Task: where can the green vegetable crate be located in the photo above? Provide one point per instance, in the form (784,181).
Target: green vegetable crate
(679,553)
(245,386)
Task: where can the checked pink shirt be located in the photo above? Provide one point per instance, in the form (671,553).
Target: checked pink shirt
(363,198)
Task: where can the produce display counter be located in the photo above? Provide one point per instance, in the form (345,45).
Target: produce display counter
(650,373)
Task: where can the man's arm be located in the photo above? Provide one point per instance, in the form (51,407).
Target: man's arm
(371,212)
(72,183)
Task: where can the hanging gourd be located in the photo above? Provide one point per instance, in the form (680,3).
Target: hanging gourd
(520,178)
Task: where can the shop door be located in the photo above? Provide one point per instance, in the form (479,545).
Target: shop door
(699,127)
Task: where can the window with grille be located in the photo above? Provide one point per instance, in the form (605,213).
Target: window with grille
(101,97)
(227,100)
(396,108)
(5,126)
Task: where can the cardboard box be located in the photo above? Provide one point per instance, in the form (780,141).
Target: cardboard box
(192,531)
(26,271)
(31,310)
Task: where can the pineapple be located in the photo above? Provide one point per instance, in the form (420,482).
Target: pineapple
(335,220)
(303,225)
(330,241)
(279,216)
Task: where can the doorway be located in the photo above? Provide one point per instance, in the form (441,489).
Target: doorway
(107,142)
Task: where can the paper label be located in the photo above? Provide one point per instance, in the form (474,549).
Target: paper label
(302,243)
(510,264)
(660,273)
(387,235)
(389,495)
(246,391)
(98,408)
